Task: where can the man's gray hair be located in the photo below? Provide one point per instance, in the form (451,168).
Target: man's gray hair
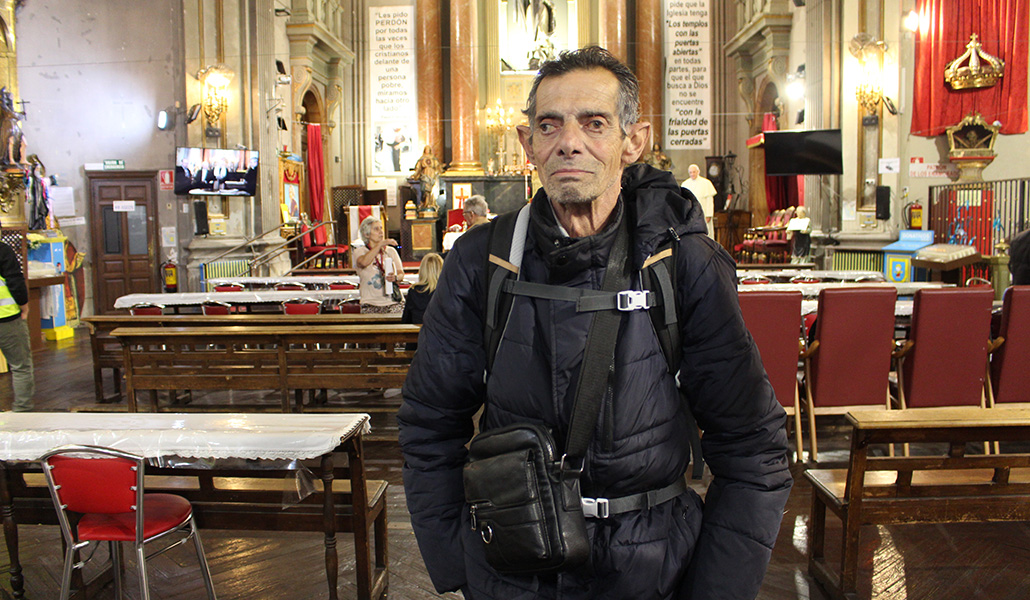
(365,228)
(592,57)
(477,205)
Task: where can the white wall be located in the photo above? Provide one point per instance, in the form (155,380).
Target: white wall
(93,76)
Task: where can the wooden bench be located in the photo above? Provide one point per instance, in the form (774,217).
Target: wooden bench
(264,357)
(261,499)
(107,351)
(945,488)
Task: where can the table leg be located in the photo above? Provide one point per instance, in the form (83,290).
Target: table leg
(11,532)
(332,563)
(359,499)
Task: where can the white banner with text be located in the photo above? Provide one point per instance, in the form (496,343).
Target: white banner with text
(688,69)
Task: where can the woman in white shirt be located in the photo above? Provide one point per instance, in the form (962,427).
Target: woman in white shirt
(379,269)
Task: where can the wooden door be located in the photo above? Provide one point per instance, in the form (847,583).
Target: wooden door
(123,207)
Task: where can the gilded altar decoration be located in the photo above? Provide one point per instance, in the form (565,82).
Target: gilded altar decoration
(971,146)
(974,68)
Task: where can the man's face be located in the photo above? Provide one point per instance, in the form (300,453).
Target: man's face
(576,142)
(693,171)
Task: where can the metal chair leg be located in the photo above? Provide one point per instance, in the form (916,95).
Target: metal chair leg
(144,584)
(205,571)
(116,566)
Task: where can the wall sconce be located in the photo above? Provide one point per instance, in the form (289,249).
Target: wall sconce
(215,79)
(869,52)
(796,83)
(911,21)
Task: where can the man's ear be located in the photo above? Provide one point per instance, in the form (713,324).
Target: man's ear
(524,138)
(637,139)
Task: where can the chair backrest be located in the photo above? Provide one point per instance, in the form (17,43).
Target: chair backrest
(229,287)
(774,320)
(855,331)
(289,286)
(455,216)
(212,307)
(805,279)
(1010,363)
(951,329)
(755,280)
(302,306)
(357,214)
(342,285)
(350,307)
(146,309)
(91,479)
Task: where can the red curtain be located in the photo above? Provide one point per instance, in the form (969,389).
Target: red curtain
(1003,27)
(316,180)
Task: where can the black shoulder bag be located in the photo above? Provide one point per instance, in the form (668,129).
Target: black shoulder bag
(523,494)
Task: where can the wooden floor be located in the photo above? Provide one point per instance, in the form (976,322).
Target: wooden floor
(959,562)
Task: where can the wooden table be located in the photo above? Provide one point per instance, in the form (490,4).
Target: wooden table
(36,285)
(254,437)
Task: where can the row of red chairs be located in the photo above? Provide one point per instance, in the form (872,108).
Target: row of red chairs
(284,286)
(947,359)
(293,306)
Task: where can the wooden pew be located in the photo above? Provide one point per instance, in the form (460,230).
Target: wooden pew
(945,488)
(264,357)
(107,351)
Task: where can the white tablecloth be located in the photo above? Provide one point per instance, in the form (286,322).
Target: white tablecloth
(253,297)
(26,436)
(811,290)
(305,279)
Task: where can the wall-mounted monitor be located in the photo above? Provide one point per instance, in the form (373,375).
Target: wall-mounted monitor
(215,172)
(809,152)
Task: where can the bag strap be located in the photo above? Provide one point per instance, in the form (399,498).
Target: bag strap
(599,355)
(506,245)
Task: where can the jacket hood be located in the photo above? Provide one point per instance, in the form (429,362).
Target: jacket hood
(656,204)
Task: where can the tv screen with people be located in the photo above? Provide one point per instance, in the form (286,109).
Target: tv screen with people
(215,172)
(808,152)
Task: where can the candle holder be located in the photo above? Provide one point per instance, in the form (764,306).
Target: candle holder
(498,123)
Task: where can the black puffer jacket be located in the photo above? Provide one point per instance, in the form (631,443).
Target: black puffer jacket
(640,443)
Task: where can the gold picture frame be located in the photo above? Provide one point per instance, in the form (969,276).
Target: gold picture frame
(291,192)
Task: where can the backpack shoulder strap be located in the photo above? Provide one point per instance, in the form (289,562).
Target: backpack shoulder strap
(504,260)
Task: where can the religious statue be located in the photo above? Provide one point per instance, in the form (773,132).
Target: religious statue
(427,172)
(657,159)
(13,150)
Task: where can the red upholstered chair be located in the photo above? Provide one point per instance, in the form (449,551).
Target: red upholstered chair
(455,216)
(145,308)
(1010,362)
(342,285)
(763,244)
(774,320)
(229,287)
(289,286)
(213,307)
(805,279)
(944,360)
(350,307)
(302,306)
(99,496)
(755,280)
(848,361)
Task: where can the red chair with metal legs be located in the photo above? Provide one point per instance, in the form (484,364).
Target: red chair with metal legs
(289,286)
(848,361)
(229,287)
(774,320)
(99,496)
(214,307)
(1010,361)
(302,306)
(145,308)
(944,360)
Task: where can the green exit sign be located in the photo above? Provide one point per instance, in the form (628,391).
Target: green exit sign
(114,164)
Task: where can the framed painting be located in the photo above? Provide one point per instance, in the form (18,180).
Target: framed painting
(291,178)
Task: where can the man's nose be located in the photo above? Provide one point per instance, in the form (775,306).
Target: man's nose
(570,140)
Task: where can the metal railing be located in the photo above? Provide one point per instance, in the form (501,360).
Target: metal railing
(984,214)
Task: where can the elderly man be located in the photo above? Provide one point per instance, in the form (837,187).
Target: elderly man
(475,211)
(704,191)
(583,133)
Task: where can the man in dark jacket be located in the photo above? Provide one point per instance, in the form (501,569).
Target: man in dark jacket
(582,134)
(14,331)
(1019,258)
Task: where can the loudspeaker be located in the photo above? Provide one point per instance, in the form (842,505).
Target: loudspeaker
(200,214)
(883,202)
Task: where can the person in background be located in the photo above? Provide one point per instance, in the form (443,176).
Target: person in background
(417,299)
(704,191)
(14,330)
(475,211)
(377,263)
(1019,258)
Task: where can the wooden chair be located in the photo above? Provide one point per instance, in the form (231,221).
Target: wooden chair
(99,496)
(944,360)
(145,308)
(1010,361)
(848,361)
(774,320)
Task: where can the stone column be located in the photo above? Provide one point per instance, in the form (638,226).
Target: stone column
(464,89)
(614,20)
(649,63)
(430,74)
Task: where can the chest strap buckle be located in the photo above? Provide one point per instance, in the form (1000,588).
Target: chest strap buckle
(633,300)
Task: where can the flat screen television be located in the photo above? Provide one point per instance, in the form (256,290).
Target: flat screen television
(808,152)
(215,172)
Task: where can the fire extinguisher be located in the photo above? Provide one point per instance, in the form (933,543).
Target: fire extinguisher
(171,276)
(915,215)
